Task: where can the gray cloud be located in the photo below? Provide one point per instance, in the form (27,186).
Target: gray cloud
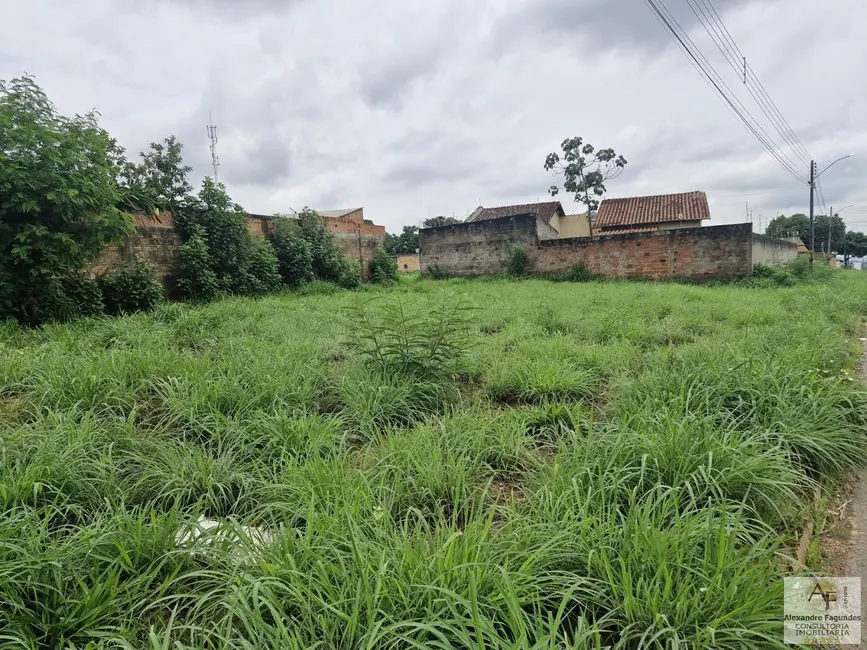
(415,109)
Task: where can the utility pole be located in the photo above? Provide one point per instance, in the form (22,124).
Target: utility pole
(830,214)
(812,230)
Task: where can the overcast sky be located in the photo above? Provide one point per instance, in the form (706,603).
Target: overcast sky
(418,108)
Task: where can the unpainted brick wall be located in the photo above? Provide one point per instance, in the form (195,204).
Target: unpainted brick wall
(157,245)
(407,263)
(479,248)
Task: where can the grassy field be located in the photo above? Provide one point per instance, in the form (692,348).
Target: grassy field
(456,464)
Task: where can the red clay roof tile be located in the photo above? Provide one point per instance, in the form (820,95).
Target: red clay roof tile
(662,208)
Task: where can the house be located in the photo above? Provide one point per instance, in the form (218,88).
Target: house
(802,247)
(638,214)
(555,222)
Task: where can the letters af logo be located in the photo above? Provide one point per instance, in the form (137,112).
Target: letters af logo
(827,591)
(822,611)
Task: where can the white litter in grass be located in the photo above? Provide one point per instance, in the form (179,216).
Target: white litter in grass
(208,532)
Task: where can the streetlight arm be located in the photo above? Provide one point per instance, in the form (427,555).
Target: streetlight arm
(833,163)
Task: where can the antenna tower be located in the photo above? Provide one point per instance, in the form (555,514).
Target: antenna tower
(212,136)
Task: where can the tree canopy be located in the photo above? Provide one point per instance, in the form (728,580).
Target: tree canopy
(436,222)
(58,196)
(405,243)
(798,225)
(585,170)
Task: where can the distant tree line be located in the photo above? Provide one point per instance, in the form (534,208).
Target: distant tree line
(830,231)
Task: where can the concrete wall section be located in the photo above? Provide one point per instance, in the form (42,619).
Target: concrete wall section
(475,247)
(769,251)
(574,225)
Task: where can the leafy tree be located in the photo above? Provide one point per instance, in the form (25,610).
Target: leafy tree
(294,255)
(58,197)
(194,276)
(854,245)
(585,171)
(436,222)
(160,179)
(239,263)
(798,225)
(383,267)
(132,288)
(405,243)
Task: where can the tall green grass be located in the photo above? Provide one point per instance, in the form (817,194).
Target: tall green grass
(453,464)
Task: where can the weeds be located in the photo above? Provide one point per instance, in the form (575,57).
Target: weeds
(594,465)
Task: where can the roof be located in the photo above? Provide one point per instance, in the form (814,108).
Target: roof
(545,211)
(661,208)
(336,214)
(802,247)
(625,231)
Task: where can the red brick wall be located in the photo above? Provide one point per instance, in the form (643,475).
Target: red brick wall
(158,245)
(479,248)
(715,252)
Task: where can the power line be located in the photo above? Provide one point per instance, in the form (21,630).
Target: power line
(724,42)
(694,54)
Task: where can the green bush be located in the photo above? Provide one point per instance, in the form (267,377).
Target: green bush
(83,293)
(132,288)
(800,266)
(222,254)
(259,274)
(516,263)
(578,273)
(383,267)
(194,278)
(437,272)
(350,274)
(774,274)
(294,254)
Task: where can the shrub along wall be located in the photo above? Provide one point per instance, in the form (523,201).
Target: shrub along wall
(156,240)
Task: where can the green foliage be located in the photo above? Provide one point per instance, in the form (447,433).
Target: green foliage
(516,262)
(798,225)
(436,222)
(58,193)
(328,261)
(775,274)
(383,267)
(134,287)
(235,258)
(260,273)
(428,343)
(585,170)
(350,274)
(159,181)
(854,245)
(194,276)
(578,273)
(406,243)
(294,255)
(624,472)
(437,272)
(83,294)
